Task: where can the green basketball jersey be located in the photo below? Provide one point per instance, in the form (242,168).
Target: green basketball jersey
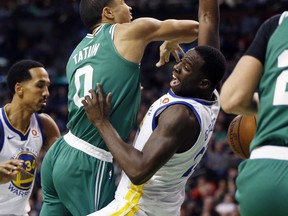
(272,123)
(96,60)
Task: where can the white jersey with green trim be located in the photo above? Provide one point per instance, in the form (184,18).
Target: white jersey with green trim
(14,195)
(164,193)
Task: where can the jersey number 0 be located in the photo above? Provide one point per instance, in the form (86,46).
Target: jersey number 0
(87,72)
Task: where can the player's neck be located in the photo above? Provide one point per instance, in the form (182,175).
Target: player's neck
(18,117)
(95,28)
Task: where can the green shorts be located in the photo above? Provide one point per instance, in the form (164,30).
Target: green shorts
(73,182)
(262,187)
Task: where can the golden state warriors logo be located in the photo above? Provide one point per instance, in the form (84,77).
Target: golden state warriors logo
(24,179)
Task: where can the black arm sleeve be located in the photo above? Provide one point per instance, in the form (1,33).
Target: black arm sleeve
(258,47)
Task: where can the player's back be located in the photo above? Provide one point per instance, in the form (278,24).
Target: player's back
(272,123)
(95,60)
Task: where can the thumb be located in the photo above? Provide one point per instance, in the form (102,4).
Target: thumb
(160,63)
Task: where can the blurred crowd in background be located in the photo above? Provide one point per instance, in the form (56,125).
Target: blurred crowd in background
(48,31)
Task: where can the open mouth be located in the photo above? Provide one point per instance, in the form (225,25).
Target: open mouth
(175,81)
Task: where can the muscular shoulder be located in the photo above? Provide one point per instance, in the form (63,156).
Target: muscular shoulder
(46,120)
(181,121)
(179,113)
(50,129)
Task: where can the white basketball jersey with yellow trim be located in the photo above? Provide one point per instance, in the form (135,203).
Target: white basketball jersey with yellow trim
(14,195)
(164,193)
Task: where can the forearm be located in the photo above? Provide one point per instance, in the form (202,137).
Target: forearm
(209,19)
(126,156)
(209,11)
(178,31)
(250,108)
(182,40)
(235,105)
(190,33)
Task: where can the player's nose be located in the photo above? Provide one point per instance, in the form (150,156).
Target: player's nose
(46,92)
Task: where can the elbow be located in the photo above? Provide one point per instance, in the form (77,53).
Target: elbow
(243,107)
(228,108)
(137,181)
(138,178)
(229,105)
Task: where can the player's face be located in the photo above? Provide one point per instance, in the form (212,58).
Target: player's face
(121,11)
(186,75)
(35,91)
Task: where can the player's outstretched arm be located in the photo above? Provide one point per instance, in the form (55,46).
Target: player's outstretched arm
(143,31)
(209,18)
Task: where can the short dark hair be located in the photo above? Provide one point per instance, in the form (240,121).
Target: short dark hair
(214,65)
(91,11)
(19,72)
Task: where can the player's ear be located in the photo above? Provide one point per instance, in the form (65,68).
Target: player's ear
(108,13)
(205,84)
(19,89)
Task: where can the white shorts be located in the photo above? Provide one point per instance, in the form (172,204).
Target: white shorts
(119,208)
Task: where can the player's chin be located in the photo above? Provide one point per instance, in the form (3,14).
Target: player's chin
(40,109)
(175,88)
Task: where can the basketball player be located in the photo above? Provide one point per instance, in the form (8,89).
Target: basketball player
(174,133)
(78,173)
(23,133)
(262,181)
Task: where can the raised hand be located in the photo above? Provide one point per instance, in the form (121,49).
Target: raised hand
(166,49)
(96,106)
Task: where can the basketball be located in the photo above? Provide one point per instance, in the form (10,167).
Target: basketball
(240,134)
